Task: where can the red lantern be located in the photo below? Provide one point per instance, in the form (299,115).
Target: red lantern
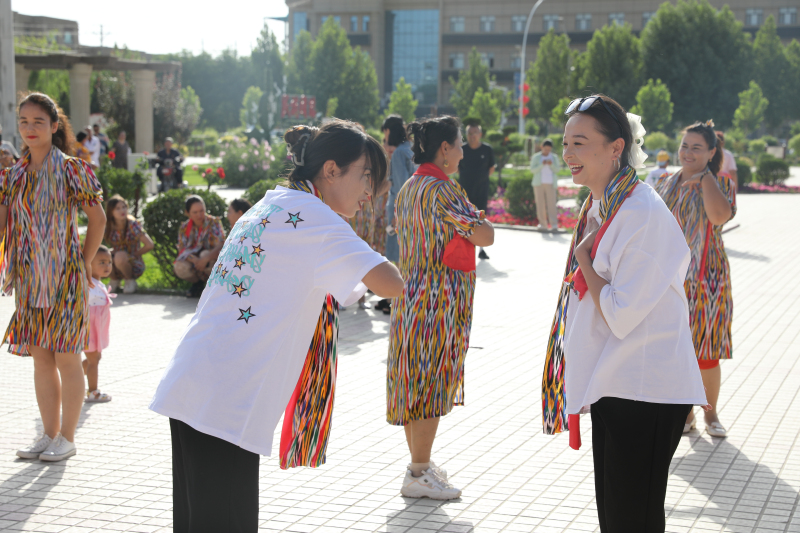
(526,99)
(526,87)
(525,111)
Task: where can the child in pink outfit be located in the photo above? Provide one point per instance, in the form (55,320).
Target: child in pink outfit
(99,323)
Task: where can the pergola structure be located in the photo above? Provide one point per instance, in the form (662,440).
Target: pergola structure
(80,67)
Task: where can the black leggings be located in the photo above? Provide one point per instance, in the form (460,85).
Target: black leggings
(633,444)
(214,483)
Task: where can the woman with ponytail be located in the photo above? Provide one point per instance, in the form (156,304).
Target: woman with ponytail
(620,345)
(45,266)
(263,341)
(437,231)
(702,200)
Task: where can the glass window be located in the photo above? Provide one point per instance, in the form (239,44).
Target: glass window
(487,59)
(365,23)
(487,24)
(299,23)
(457,24)
(353,24)
(551,22)
(646,16)
(787,16)
(516,61)
(67,37)
(457,60)
(412,36)
(337,19)
(583,21)
(616,18)
(754,17)
(518,23)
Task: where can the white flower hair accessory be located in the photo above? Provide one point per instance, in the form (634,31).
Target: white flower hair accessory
(637,155)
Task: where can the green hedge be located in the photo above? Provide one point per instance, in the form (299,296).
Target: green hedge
(129,185)
(519,195)
(163,217)
(744,171)
(257,191)
(771,171)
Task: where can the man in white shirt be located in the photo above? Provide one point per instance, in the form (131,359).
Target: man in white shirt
(93,145)
(544,168)
(662,158)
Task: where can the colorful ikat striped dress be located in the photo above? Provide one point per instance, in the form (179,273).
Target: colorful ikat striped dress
(41,257)
(708,282)
(431,320)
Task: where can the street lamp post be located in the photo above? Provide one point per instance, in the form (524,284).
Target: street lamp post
(522,66)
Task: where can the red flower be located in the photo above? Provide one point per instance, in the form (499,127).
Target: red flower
(208,171)
(111,155)
(221,173)
(146,153)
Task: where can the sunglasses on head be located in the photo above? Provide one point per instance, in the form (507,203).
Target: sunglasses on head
(582,104)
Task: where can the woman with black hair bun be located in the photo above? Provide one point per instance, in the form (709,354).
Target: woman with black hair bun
(437,231)
(702,200)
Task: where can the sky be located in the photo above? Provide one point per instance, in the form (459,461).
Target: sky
(166,26)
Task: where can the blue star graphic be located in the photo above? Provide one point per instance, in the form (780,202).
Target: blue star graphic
(294,218)
(246,315)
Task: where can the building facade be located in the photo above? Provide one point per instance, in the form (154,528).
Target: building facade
(60,31)
(428,42)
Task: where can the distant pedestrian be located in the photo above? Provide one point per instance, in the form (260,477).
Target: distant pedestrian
(93,144)
(437,230)
(8,155)
(662,160)
(80,150)
(48,271)
(121,150)
(237,208)
(128,242)
(728,167)
(620,344)
(102,137)
(544,169)
(200,240)
(251,354)
(702,199)
(99,324)
(474,171)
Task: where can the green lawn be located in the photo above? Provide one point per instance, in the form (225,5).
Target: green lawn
(193,178)
(153,279)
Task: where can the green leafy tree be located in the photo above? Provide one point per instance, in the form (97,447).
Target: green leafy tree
(772,72)
(612,64)
(549,76)
(359,99)
(504,144)
(268,68)
(299,71)
(402,102)
(793,56)
(702,56)
(474,77)
(187,114)
(250,113)
(654,105)
(329,62)
(485,107)
(752,107)
(557,117)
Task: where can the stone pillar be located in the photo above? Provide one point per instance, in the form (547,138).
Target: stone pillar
(8,96)
(145,82)
(23,76)
(80,76)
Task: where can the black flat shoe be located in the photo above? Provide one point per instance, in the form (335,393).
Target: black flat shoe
(482,255)
(382,304)
(196,291)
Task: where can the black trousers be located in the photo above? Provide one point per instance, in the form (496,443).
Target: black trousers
(633,444)
(214,483)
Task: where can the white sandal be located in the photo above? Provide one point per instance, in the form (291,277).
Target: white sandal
(95,396)
(715,429)
(690,426)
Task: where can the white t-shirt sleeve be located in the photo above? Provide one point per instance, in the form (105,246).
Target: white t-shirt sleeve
(342,261)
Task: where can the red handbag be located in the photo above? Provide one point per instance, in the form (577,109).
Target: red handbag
(459,254)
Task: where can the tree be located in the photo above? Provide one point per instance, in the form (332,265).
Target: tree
(268,68)
(772,71)
(485,107)
(299,71)
(549,76)
(612,64)
(187,114)
(402,102)
(793,56)
(359,100)
(250,114)
(115,95)
(329,58)
(654,104)
(557,117)
(752,107)
(702,56)
(474,77)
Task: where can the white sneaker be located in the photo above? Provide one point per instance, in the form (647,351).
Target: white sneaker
(130,286)
(34,450)
(59,449)
(428,485)
(113,285)
(441,472)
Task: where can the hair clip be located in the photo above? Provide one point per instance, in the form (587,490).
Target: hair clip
(303,139)
(710,123)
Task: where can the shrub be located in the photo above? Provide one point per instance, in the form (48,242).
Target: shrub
(127,184)
(794,145)
(656,141)
(758,146)
(744,171)
(519,195)
(770,140)
(558,142)
(771,170)
(257,190)
(583,194)
(246,162)
(163,217)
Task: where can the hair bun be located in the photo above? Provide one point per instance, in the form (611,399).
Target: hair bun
(298,138)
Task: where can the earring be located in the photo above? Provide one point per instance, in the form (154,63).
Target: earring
(617,162)
(446,163)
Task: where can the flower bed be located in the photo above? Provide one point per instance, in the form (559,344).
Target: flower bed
(760,188)
(497,214)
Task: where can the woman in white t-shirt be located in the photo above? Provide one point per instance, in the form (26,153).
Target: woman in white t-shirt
(239,361)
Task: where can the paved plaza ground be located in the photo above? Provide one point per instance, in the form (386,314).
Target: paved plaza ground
(513,477)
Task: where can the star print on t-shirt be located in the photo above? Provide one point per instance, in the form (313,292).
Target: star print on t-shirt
(242,239)
(238,289)
(239,262)
(246,315)
(294,218)
(257,249)
(264,221)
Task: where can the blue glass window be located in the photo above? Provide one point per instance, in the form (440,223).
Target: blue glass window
(300,23)
(412,51)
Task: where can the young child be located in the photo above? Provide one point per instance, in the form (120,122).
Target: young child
(99,322)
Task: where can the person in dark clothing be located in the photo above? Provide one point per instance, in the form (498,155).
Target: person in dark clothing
(474,170)
(121,150)
(169,153)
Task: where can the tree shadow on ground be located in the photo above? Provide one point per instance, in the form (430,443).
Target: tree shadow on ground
(743,495)
(487,273)
(423,514)
(747,255)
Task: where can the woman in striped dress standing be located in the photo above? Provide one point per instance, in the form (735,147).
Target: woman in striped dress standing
(437,231)
(42,261)
(702,200)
